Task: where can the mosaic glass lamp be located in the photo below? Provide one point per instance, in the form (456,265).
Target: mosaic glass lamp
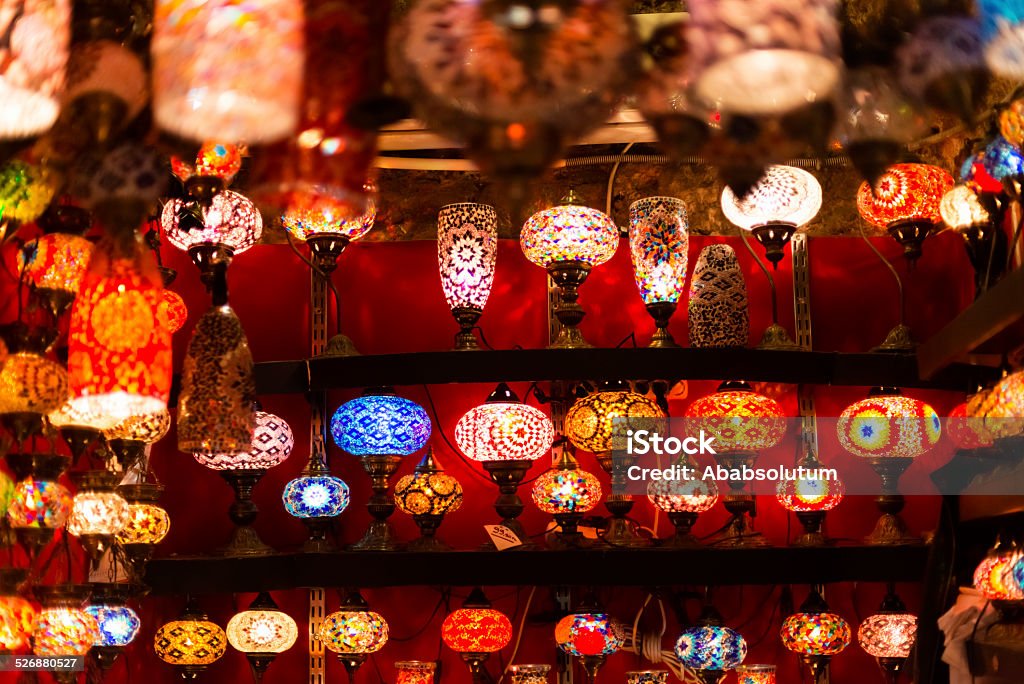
(1011,122)
(658,243)
(1005,163)
(31,386)
(316,498)
(889,635)
(710,649)
(118,624)
(597,423)
(272,443)
(967,432)
(17,615)
(415,671)
(755,674)
(262,632)
(963,211)
(40,504)
(1002,29)
(683,502)
(1003,412)
(191,643)
(148,522)
(567,492)
(997,578)
(380,427)
(647,677)
(889,431)
(467,249)
(55,262)
(810,498)
(475,631)
(129,439)
(743,423)
(568,241)
(254,91)
(74,429)
(428,494)
(353,633)
(506,436)
(591,636)
(815,634)
(98,511)
(529,673)
(63,627)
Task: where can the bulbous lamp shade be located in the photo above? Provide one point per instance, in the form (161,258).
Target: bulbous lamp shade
(17,620)
(1003,160)
(253,93)
(35,42)
(1002,24)
(1003,409)
(889,426)
(784,194)
(214,159)
(380,424)
(25,190)
(691,496)
(272,443)
(961,209)
(476,630)
(504,431)
(39,504)
(64,630)
(265,629)
(172,311)
(888,635)
(815,634)
(97,513)
(148,428)
(739,418)
(324,212)
(905,201)
(781,56)
(316,496)
(231,221)
(147,523)
(566,491)
(596,421)
(569,233)
(192,643)
(967,432)
(810,494)
(588,634)
(755,674)
(428,493)
(118,624)
(1011,122)
(658,243)
(995,576)
(56,262)
(354,631)
(711,647)
(467,249)
(31,383)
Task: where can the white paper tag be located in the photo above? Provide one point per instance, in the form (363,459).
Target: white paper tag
(502,537)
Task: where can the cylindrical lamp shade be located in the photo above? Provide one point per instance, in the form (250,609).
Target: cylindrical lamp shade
(569,233)
(905,192)
(147,524)
(815,634)
(380,424)
(17,620)
(348,631)
(30,383)
(316,496)
(504,431)
(588,634)
(960,209)
(889,427)
(647,677)
(64,630)
(689,496)
(784,193)
(710,647)
(755,674)
(118,624)
(566,491)
(262,631)
(810,494)
(467,248)
(1002,24)
(415,671)
(272,443)
(428,493)
(98,513)
(994,577)
(780,56)
(967,432)
(39,504)
(35,46)
(231,220)
(739,419)
(149,428)
(529,673)
(476,630)
(190,642)
(599,421)
(888,635)
(658,242)
(55,261)
(228,71)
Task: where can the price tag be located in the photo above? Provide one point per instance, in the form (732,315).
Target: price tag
(502,537)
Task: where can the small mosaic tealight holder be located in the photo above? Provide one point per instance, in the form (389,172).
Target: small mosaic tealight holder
(415,671)
(529,674)
(755,674)
(647,677)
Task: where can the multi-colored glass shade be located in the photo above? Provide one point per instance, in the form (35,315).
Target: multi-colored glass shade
(147,524)
(149,428)
(17,620)
(810,494)
(1003,160)
(529,673)
(598,420)
(97,513)
(647,677)
(1018,573)
(1002,25)
(467,249)
(905,192)
(710,647)
(67,416)
(784,194)
(994,576)
(6,492)
(380,424)
(815,634)
(967,432)
(190,642)
(428,493)
(780,56)
(119,354)
(504,431)
(739,419)
(25,190)
(570,233)
(272,443)
(35,45)
(1011,122)
(55,261)
(172,311)
(262,631)
(320,211)
(64,630)
(227,71)
(588,634)
(118,624)
(889,426)
(415,671)
(960,209)
(316,496)
(566,491)
(354,631)
(888,635)
(31,383)
(658,242)
(1003,408)
(231,220)
(689,496)
(39,504)
(755,674)
(476,630)
(214,159)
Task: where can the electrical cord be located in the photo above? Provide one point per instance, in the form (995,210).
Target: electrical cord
(648,645)
(323,274)
(452,447)
(519,636)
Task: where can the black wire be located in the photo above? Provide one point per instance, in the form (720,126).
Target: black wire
(440,430)
(630,336)
(483,338)
(418,632)
(323,274)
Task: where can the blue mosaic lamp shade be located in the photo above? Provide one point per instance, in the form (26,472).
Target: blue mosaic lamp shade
(380,424)
(711,647)
(119,625)
(316,496)
(1002,27)
(1002,159)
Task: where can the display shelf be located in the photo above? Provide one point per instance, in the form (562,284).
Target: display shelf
(756,365)
(583,567)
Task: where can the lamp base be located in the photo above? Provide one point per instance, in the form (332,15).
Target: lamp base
(106,656)
(379,537)
(592,664)
(662,312)
(773,236)
(325,249)
(710,676)
(568,535)
(739,533)
(245,542)
(890,530)
(569,275)
(897,341)
(340,345)
(620,532)
(207,257)
(258,664)
(683,521)
(318,541)
(570,338)
(507,475)
(465,340)
(777,338)
(812,536)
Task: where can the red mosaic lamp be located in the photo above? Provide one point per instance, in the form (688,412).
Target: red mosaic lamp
(810,498)
(475,631)
(889,635)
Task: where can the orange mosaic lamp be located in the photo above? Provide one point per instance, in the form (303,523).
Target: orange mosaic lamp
(965,431)
(55,262)
(17,616)
(475,631)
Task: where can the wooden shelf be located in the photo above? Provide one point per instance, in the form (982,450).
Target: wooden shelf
(578,567)
(430,368)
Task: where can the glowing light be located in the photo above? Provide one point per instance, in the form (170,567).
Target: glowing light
(17,620)
(588,634)
(190,642)
(994,576)
(378,424)
(147,524)
(961,209)
(272,443)
(63,630)
(118,624)
(569,233)
(55,261)
(467,248)
(172,311)
(428,493)
(354,631)
(711,647)
(810,494)
(598,420)
(97,513)
(740,419)
(905,192)
(815,634)
(888,635)
(784,193)
(566,491)
(889,427)
(231,220)
(149,428)
(658,243)
(476,630)
(504,431)
(967,432)
(30,383)
(39,504)
(262,631)
(690,496)
(316,496)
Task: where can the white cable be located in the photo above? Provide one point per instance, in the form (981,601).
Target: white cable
(519,638)
(649,645)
